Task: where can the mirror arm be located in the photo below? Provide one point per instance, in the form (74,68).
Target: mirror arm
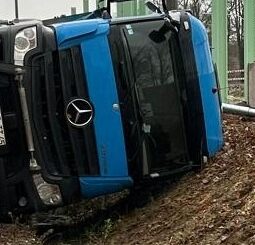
(164,7)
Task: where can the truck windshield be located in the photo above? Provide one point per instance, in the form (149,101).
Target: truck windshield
(156,81)
(158,91)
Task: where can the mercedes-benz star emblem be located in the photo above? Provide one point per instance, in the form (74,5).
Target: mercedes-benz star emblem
(79,112)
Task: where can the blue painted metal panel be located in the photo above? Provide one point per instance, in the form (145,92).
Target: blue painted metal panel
(97,186)
(69,33)
(74,33)
(91,35)
(207,81)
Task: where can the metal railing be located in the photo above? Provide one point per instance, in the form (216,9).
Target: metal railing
(236,77)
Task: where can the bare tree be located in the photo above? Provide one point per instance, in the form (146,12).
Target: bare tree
(236,27)
(200,8)
(172,4)
(184,4)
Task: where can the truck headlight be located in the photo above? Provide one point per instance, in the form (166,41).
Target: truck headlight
(50,194)
(25,41)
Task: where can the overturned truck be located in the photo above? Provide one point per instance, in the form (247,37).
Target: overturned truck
(92,105)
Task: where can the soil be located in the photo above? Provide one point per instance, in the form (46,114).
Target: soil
(214,206)
(17,234)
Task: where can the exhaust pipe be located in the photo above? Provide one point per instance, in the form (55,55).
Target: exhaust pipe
(237,109)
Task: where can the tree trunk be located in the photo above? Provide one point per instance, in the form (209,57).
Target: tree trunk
(172,4)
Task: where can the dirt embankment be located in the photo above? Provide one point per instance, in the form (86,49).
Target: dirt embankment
(215,206)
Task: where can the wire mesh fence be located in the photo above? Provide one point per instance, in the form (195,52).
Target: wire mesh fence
(236,86)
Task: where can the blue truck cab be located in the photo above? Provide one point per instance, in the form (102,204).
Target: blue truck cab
(92,106)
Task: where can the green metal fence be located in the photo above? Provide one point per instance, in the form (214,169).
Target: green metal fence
(249,40)
(219,43)
(133,8)
(219,40)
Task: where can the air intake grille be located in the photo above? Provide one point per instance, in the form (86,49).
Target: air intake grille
(58,78)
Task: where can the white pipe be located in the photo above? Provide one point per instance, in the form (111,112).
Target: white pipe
(237,109)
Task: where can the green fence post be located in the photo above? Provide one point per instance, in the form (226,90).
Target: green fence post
(141,8)
(119,10)
(249,40)
(126,9)
(219,43)
(133,8)
(85,6)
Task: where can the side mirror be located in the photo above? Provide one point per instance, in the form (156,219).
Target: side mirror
(151,6)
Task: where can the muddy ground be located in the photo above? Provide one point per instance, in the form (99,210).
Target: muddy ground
(215,206)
